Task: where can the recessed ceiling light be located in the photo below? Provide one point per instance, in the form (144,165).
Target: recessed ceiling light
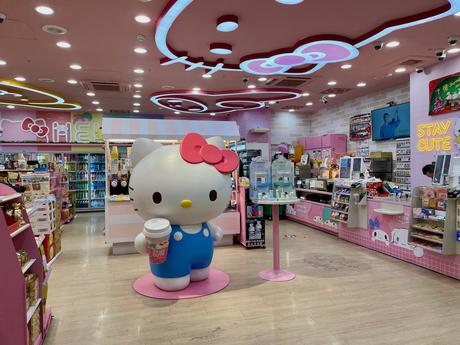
(72,81)
(346,66)
(24,99)
(135,110)
(137,96)
(90,94)
(2,62)
(177,112)
(10,106)
(262,79)
(54,29)
(306,94)
(140,50)
(453,50)
(309,104)
(99,109)
(392,44)
(207,76)
(138,70)
(141,18)
(332,83)
(271,102)
(167,87)
(457,14)
(212,114)
(63,44)
(289,2)
(400,70)
(96,102)
(47,11)
(75,66)
(220,48)
(196,89)
(332,95)
(251,86)
(137,104)
(361,84)
(138,85)
(19,78)
(291,110)
(17,95)
(227,23)
(138,91)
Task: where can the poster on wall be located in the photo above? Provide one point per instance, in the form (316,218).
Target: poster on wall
(360,127)
(445,95)
(362,149)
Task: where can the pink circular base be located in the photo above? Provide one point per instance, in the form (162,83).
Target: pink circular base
(217,281)
(276,276)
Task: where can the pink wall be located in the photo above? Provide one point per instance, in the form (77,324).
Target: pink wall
(419,99)
(253,119)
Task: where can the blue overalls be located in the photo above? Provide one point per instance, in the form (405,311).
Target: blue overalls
(191,251)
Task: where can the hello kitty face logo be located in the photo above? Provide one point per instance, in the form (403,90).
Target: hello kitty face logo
(38,127)
(307,56)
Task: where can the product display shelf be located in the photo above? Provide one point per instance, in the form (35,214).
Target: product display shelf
(15,312)
(433,228)
(97,181)
(67,204)
(349,206)
(77,168)
(402,171)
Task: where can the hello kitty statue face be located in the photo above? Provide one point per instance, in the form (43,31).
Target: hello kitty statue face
(186,184)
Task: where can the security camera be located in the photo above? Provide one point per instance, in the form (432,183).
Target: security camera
(441,54)
(245,80)
(419,70)
(324,100)
(378,45)
(452,40)
(2,17)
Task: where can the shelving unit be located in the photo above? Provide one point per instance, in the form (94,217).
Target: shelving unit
(402,171)
(433,228)
(341,203)
(17,315)
(349,204)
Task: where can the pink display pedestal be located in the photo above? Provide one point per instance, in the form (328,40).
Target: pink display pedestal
(276,274)
(216,281)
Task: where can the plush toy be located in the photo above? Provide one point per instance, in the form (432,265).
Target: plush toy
(183,185)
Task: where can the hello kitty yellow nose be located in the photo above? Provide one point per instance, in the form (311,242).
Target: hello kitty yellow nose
(186,203)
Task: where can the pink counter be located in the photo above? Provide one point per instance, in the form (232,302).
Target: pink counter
(313,214)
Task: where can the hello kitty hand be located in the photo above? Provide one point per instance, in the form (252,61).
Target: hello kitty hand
(140,244)
(216,232)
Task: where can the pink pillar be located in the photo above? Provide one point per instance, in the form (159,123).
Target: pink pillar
(276,237)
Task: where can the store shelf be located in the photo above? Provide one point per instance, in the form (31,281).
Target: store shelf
(21,229)
(39,240)
(346,194)
(47,274)
(9,197)
(27,265)
(78,190)
(313,191)
(31,210)
(427,238)
(431,218)
(339,220)
(428,229)
(73,162)
(340,211)
(341,202)
(32,309)
(53,260)
(431,249)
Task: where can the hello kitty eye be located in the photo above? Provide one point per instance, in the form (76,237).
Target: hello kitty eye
(156,197)
(213,195)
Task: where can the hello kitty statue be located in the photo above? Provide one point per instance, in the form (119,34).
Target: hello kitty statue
(186,185)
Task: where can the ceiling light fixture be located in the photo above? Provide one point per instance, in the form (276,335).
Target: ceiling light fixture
(453,50)
(332,83)
(309,104)
(196,89)
(207,76)
(332,95)
(346,66)
(271,102)
(137,96)
(392,44)
(99,109)
(45,10)
(63,44)
(227,23)
(135,110)
(138,85)
(2,62)
(138,70)
(289,2)
(400,70)
(96,102)
(291,110)
(361,84)
(90,94)
(72,81)
(212,114)
(177,112)
(251,86)
(75,66)
(10,106)
(221,48)
(137,104)
(141,18)
(457,14)
(306,94)
(19,78)
(262,79)
(140,50)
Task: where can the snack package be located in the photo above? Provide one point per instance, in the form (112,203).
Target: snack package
(32,289)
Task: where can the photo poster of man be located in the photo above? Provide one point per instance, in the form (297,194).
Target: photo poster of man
(360,127)
(445,95)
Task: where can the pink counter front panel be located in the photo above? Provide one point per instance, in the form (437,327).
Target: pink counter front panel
(313,214)
(389,235)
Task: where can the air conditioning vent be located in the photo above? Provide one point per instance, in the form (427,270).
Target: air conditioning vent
(290,82)
(112,86)
(335,90)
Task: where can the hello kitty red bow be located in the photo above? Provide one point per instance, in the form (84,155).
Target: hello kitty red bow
(194,149)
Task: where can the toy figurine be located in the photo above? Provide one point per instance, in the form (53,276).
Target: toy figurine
(183,185)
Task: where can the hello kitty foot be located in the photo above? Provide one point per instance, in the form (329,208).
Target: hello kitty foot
(172,284)
(200,274)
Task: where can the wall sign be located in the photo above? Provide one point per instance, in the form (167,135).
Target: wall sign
(434,136)
(360,127)
(445,95)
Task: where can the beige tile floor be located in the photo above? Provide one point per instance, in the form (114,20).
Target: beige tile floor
(343,295)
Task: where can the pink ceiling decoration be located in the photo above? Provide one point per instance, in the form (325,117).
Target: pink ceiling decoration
(219,102)
(304,57)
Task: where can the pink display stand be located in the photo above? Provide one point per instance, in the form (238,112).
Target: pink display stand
(216,281)
(276,274)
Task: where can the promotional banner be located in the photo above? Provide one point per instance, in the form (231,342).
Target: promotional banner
(445,95)
(360,127)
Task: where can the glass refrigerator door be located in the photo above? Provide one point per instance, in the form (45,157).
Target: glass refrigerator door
(97,180)
(77,165)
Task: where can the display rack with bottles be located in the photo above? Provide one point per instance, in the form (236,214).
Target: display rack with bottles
(402,171)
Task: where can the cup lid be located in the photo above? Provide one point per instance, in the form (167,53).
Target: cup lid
(156,225)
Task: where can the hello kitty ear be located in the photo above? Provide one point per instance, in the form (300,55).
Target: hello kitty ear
(216,141)
(141,148)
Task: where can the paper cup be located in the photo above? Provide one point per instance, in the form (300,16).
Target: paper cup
(156,232)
